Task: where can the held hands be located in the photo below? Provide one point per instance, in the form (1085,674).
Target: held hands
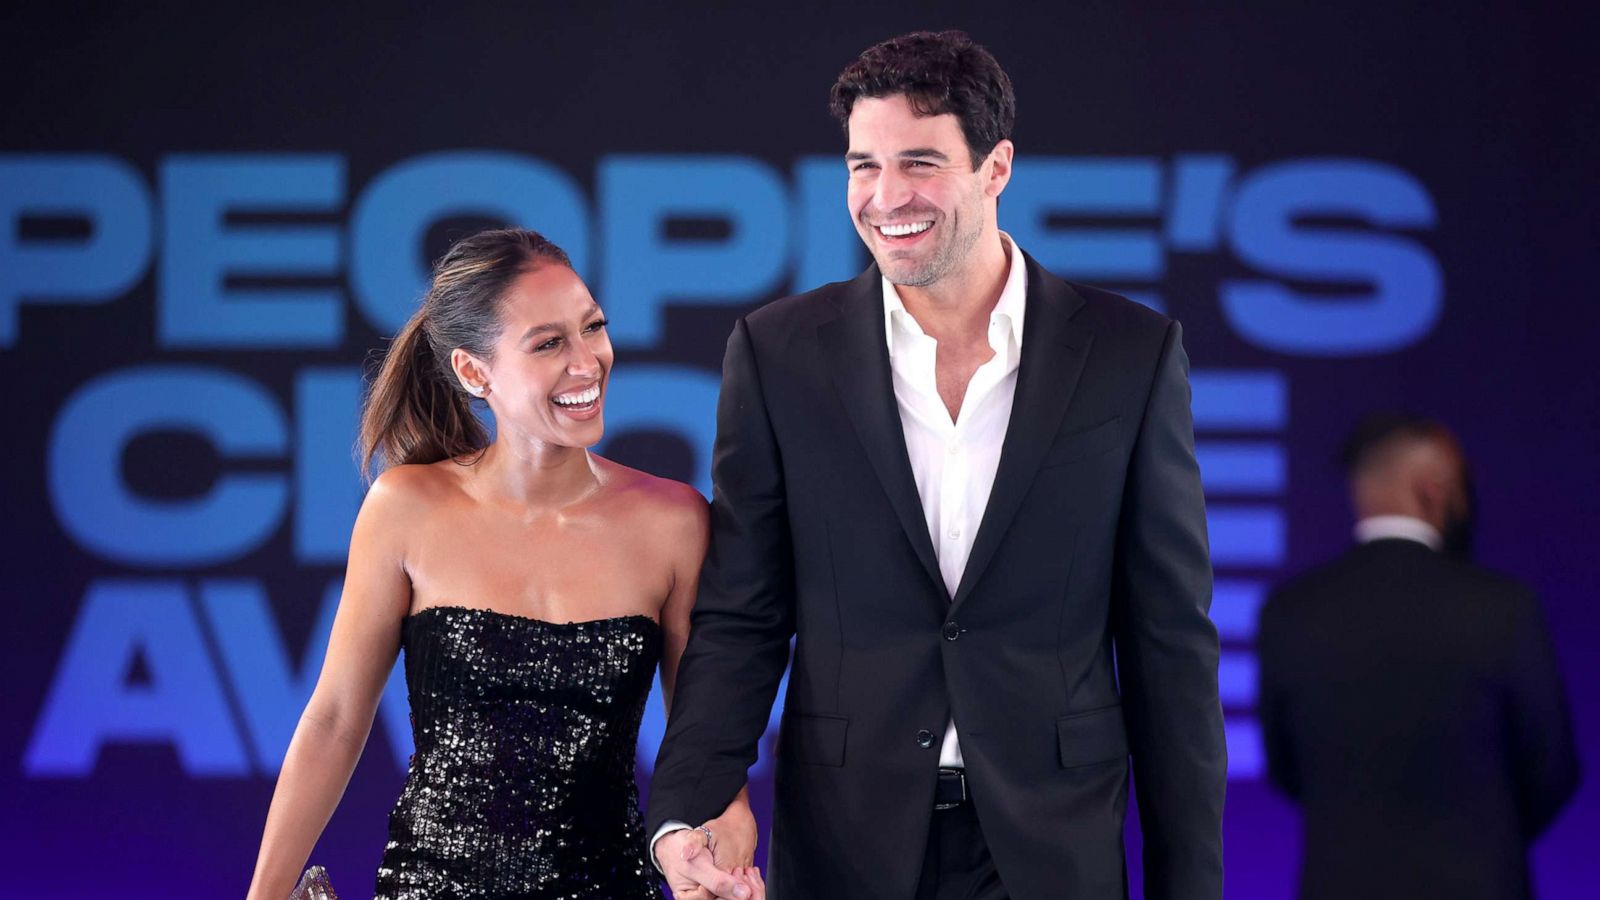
(686,861)
(698,867)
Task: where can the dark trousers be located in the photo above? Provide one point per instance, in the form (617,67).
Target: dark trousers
(957,865)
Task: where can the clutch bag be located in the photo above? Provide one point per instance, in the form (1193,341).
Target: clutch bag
(314,886)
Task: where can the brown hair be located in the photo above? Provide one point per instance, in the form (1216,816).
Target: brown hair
(943,72)
(416,409)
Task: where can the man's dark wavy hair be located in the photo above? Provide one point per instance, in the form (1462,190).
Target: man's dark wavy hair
(938,72)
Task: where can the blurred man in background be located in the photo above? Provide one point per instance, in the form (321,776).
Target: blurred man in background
(1410,700)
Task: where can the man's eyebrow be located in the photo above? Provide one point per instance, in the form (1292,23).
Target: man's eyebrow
(913,153)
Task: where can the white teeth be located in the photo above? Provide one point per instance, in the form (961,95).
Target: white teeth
(903,230)
(579,399)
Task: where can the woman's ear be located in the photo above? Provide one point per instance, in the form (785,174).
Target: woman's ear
(471,372)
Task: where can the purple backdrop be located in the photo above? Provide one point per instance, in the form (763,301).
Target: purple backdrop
(213,218)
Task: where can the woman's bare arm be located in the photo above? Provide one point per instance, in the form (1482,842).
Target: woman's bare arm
(690,533)
(361,652)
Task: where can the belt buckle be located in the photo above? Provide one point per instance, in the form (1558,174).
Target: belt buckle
(961,774)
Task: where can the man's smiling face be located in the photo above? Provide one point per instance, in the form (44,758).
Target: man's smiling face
(914,196)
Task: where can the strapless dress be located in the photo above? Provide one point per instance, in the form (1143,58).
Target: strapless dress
(522,784)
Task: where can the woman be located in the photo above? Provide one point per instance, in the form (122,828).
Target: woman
(534,587)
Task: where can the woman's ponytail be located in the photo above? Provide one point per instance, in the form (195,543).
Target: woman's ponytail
(412,414)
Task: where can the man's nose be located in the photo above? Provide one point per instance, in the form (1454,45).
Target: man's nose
(893,190)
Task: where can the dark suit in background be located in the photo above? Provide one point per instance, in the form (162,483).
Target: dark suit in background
(1093,541)
(1412,708)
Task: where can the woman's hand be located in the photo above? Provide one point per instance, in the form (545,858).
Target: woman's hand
(735,832)
(750,877)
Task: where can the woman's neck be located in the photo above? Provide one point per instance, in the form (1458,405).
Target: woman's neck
(537,475)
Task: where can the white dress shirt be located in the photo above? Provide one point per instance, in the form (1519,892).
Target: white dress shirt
(954,462)
(1377,528)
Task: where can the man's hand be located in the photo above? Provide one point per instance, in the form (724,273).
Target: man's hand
(687,863)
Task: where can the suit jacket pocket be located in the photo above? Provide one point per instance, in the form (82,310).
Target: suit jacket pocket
(1092,441)
(1096,736)
(815,740)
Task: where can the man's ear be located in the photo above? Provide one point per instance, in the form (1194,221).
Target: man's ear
(1433,501)
(999,165)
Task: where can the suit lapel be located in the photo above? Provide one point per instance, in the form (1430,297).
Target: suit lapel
(856,346)
(1053,354)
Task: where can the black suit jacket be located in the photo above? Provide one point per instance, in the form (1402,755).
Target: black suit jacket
(1412,707)
(1093,542)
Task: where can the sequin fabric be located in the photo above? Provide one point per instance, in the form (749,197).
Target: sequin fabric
(522,781)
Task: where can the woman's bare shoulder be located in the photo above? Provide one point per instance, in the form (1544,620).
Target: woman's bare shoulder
(668,502)
(406,490)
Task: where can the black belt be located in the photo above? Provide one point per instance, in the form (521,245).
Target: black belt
(951,791)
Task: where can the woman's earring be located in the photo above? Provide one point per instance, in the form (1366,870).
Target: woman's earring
(477,390)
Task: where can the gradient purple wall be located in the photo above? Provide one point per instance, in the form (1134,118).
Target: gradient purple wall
(1145,144)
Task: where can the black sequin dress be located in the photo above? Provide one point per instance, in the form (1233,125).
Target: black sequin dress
(522,782)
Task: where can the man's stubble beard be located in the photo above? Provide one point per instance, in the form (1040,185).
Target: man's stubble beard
(948,257)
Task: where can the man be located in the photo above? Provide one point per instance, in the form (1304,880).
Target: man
(964,487)
(1410,700)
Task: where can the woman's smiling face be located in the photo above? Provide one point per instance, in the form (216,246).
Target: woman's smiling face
(547,379)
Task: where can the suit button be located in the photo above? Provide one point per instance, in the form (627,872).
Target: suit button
(924,739)
(951,631)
